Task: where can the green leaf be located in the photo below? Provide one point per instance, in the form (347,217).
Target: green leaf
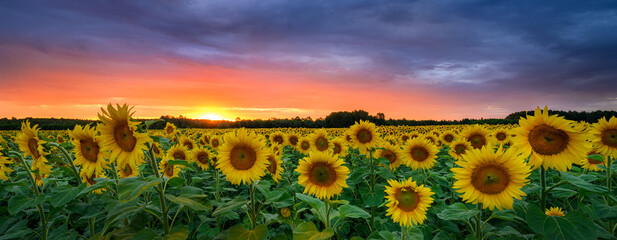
(146,234)
(604,211)
(580,183)
(596,157)
(575,225)
(238,232)
(19,203)
(457,211)
(373,199)
(230,206)
(508,215)
(178,162)
(311,201)
(122,211)
(131,188)
(176,181)
(178,232)
(64,194)
(535,218)
(100,184)
(186,202)
(351,211)
(309,231)
(382,235)
(18,230)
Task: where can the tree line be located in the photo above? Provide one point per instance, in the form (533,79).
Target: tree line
(340,119)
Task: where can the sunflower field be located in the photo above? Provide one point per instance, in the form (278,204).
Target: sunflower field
(545,178)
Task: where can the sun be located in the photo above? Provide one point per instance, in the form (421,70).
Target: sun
(211,116)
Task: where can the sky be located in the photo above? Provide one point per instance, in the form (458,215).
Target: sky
(433,59)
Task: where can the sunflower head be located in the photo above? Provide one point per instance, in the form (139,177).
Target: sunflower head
(242,157)
(477,136)
(604,136)
(392,154)
(292,139)
(555,212)
(202,157)
(87,150)
(274,167)
(304,145)
(320,141)
(364,134)
(168,170)
(187,142)
(29,142)
(448,137)
(491,178)
(277,138)
(591,162)
(458,148)
(419,153)
(170,129)
(338,146)
(407,202)
(119,135)
(552,141)
(322,175)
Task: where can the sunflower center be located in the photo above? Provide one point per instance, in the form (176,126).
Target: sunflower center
(305,145)
(609,138)
(124,137)
(337,148)
(202,157)
(490,179)
(33,145)
(501,136)
(169,130)
(547,140)
(90,179)
(272,167)
(278,139)
(387,154)
(169,170)
(405,137)
(364,136)
(89,149)
(215,143)
(448,138)
(419,154)
(188,144)
(460,149)
(293,140)
(321,143)
(179,155)
(477,140)
(156,149)
(127,170)
(242,157)
(322,174)
(407,199)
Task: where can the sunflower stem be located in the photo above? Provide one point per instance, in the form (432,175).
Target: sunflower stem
(327,220)
(543,193)
(609,175)
(159,189)
(372,186)
(36,192)
(404,232)
(69,160)
(252,195)
(479,222)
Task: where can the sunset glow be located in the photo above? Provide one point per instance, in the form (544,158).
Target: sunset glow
(64,59)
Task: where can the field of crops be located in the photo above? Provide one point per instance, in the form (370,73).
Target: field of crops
(546,178)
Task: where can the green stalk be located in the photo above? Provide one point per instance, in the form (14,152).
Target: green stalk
(327,220)
(543,193)
(479,222)
(403,232)
(253,214)
(372,187)
(159,189)
(36,192)
(69,160)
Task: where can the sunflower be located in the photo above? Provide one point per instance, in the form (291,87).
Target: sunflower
(551,141)
(555,212)
(242,157)
(407,202)
(477,136)
(5,170)
(392,153)
(215,142)
(89,178)
(274,168)
(285,212)
(204,139)
(157,150)
(277,138)
(459,147)
(170,129)
(338,147)
(448,137)
(604,136)
(320,142)
(322,175)
(501,136)
(202,157)
(592,164)
(419,153)
(118,135)
(178,152)
(187,142)
(491,178)
(87,150)
(128,169)
(29,142)
(167,170)
(292,139)
(364,135)
(304,145)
